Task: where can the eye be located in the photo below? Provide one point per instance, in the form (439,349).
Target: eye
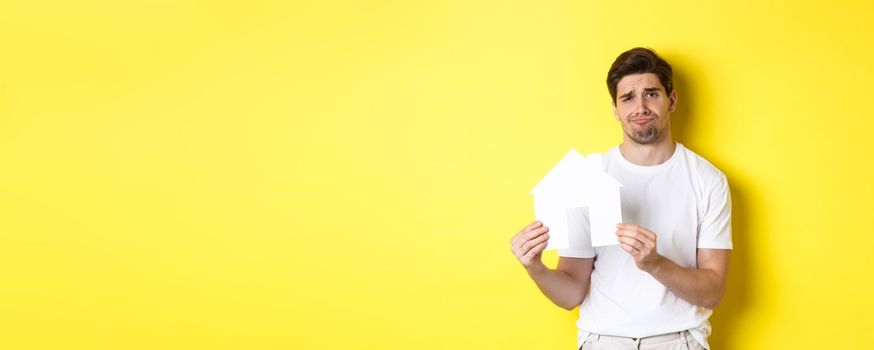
(653,94)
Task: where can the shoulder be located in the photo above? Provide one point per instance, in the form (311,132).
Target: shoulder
(700,167)
(706,177)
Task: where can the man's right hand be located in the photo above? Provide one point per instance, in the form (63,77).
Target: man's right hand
(566,286)
(529,243)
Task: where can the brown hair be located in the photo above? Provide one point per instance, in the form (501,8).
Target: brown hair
(639,60)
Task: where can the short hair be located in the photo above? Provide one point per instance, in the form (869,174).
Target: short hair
(639,60)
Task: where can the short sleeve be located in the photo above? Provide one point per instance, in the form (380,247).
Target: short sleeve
(577,252)
(714,228)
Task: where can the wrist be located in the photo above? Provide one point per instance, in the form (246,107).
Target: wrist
(535,268)
(657,265)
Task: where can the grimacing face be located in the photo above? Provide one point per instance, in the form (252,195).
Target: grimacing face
(643,107)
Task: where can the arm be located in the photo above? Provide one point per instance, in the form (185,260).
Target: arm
(566,286)
(703,286)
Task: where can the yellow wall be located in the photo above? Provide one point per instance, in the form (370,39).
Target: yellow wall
(322,175)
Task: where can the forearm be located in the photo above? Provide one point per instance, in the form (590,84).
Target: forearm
(561,288)
(702,287)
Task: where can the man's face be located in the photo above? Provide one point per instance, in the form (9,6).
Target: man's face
(643,107)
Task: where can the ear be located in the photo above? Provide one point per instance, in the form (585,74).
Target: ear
(615,112)
(672,101)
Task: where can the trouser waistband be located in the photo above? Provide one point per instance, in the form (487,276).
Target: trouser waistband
(655,339)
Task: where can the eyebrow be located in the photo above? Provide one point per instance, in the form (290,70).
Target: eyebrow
(645,90)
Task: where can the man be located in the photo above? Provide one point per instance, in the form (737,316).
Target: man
(656,289)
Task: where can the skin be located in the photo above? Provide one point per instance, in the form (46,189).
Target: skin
(643,109)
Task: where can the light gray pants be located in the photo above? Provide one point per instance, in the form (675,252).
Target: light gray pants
(671,341)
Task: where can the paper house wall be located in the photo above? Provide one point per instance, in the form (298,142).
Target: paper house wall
(578,202)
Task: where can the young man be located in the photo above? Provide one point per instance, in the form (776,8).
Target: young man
(656,289)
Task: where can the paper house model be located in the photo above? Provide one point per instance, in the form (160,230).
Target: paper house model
(579,203)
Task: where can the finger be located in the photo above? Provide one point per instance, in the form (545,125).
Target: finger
(524,236)
(651,235)
(535,232)
(631,250)
(633,234)
(533,225)
(643,247)
(534,251)
(522,243)
(626,226)
(626,233)
(530,244)
(636,228)
(631,242)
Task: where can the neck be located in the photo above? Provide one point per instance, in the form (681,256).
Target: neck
(648,154)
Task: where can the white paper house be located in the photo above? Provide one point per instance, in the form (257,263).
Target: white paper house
(579,203)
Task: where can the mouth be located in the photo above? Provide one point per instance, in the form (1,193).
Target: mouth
(642,121)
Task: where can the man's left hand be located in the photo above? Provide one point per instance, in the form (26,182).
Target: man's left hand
(641,244)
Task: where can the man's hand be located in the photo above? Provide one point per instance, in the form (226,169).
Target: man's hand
(567,284)
(703,285)
(529,243)
(641,244)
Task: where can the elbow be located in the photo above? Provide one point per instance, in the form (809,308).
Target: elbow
(568,307)
(712,297)
(709,304)
(713,301)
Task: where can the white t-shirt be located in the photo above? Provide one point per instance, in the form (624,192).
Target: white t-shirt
(686,202)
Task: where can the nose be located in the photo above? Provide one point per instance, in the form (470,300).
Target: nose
(641,109)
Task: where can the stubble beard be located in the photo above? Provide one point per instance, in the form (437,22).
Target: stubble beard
(645,134)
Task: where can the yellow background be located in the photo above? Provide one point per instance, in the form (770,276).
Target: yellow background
(323,175)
